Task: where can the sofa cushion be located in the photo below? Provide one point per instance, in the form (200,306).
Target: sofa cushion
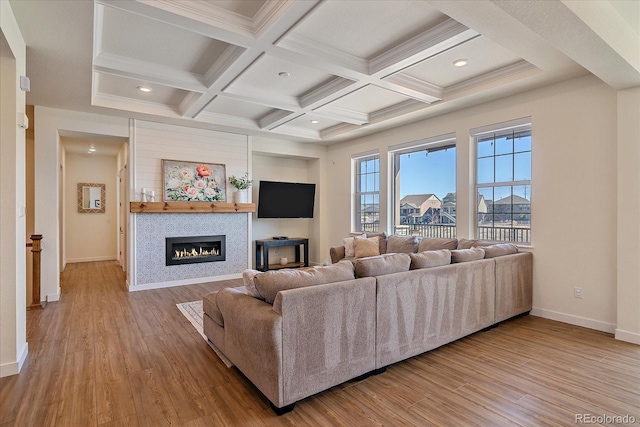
(382,240)
(349,246)
(472,243)
(500,249)
(429,244)
(210,306)
(366,247)
(402,244)
(269,283)
(247,278)
(382,264)
(428,259)
(464,255)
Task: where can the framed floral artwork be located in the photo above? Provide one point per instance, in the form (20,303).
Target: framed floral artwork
(193,181)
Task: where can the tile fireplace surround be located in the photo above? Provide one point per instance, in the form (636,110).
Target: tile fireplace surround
(152,229)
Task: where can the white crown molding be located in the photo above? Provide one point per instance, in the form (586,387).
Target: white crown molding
(299,132)
(135,105)
(277,118)
(396,110)
(312,48)
(417,85)
(141,70)
(225,120)
(188,102)
(222,64)
(342,115)
(433,41)
(252,95)
(329,91)
(501,73)
(336,130)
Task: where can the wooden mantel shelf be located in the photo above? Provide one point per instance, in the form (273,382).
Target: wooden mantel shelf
(191,207)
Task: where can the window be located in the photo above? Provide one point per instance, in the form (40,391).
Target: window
(503,184)
(367,194)
(425,188)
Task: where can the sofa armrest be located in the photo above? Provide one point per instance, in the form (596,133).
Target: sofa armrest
(328,335)
(514,285)
(253,340)
(337,253)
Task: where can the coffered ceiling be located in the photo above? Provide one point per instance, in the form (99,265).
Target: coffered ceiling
(317,71)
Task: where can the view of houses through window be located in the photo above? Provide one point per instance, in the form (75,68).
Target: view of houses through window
(367,194)
(503,181)
(425,190)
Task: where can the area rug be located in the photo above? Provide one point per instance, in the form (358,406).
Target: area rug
(193,312)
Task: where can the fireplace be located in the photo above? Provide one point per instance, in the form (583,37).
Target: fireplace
(190,250)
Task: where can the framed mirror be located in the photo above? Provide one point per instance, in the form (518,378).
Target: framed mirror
(91,197)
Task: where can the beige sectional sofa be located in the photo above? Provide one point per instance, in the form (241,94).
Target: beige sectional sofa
(296,332)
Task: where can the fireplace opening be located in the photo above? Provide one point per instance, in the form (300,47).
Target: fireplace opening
(190,250)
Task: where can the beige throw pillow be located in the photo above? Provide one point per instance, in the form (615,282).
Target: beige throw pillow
(349,246)
(472,243)
(428,259)
(365,247)
(382,236)
(248,276)
(464,255)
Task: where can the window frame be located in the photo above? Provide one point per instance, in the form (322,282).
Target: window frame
(357,216)
(500,130)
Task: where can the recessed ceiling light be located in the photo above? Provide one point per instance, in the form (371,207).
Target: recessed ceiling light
(460,62)
(315,121)
(144,89)
(92,150)
(284,74)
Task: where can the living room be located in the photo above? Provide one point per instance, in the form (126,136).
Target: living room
(585,185)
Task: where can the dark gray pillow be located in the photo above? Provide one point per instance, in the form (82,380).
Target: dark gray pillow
(382,264)
(429,244)
(428,259)
(500,249)
(402,244)
(464,255)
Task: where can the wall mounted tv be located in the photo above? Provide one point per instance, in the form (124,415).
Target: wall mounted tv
(285,200)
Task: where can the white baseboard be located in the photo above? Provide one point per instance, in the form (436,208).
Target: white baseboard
(54,297)
(574,320)
(632,337)
(159,285)
(92,259)
(13,368)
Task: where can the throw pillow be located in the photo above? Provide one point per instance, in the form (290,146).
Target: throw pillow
(402,244)
(270,283)
(429,244)
(365,247)
(349,246)
(500,249)
(382,264)
(464,255)
(472,243)
(383,240)
(248,277)
(428,259)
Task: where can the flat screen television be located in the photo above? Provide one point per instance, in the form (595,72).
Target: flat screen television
(285,199)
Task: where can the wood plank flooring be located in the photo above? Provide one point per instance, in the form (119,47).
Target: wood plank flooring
(102,356)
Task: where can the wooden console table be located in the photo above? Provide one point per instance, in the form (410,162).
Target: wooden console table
(262,253)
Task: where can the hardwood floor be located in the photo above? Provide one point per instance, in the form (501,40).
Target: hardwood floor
(103,356)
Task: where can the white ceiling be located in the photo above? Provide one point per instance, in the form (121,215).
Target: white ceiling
(355,67)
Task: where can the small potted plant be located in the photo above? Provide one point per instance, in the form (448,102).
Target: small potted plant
(241,185)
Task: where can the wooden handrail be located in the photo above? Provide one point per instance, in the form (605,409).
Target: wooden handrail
(36,248)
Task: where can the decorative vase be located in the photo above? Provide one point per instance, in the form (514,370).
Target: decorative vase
(240,196)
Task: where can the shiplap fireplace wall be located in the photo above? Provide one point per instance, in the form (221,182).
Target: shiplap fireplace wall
(153,142)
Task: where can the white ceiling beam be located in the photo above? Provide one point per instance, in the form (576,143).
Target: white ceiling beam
(342,115)
(135,69)
(277,118)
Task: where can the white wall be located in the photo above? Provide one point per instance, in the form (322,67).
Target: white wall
(48,123)
(573,171)
(90,236)
(628,219)
(13,341)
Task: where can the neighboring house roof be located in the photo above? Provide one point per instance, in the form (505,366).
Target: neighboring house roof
(416,199)
(512,200)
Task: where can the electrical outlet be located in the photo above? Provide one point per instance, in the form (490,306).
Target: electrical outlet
(577,292)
